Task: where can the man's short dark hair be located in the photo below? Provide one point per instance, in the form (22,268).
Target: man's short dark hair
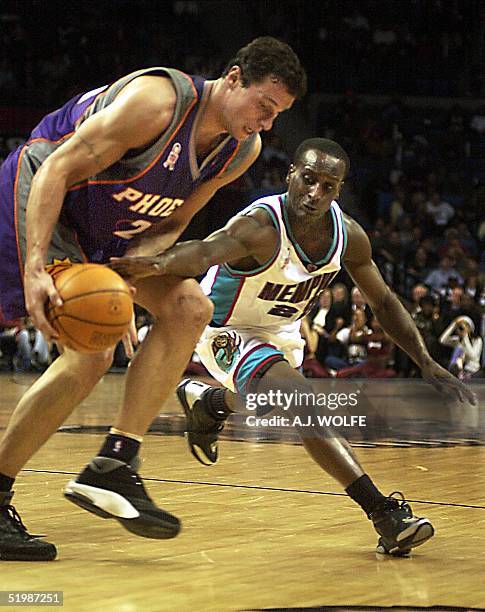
(326,146)
(266,56)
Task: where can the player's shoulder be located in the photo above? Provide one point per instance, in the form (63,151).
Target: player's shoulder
(354,229)
(263,215)
(357,239)
(152,94)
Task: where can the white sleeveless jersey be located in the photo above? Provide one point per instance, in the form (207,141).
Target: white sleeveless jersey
(277,295)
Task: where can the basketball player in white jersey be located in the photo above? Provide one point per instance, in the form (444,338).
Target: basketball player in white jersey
(270,262)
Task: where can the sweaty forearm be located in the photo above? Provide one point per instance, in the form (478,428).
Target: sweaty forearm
(195,257)
(149,245)
(186,259)
(399,325)
(46,197)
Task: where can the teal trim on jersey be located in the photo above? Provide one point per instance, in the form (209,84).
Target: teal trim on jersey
(270,261)
(223,294)
(344,232)
(301,253)
(251,362)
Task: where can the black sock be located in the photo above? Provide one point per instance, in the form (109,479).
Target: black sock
(119,447)
(214,403)
(6,483)
(364,492)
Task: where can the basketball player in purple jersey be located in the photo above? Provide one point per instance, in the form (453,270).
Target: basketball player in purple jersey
(122,170)
(282,251)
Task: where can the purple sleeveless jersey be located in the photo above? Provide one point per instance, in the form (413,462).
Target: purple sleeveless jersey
(100,216)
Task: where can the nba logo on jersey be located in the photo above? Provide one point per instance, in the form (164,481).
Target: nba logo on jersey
(172,157)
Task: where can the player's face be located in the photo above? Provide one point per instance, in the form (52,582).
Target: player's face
(313,182)
(248,110)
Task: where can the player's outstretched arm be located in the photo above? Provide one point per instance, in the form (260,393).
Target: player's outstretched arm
(392,315)
(162,236)
(247,236)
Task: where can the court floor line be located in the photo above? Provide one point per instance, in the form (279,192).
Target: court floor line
(262,488)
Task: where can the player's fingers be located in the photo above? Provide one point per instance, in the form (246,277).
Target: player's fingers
(128,345)
(468,395)
(54,297)
(132,331)
(459,394)
(42,324)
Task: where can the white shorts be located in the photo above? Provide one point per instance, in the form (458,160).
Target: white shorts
(234,356)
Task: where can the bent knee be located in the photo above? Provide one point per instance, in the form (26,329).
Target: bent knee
(188,305)
(90,367)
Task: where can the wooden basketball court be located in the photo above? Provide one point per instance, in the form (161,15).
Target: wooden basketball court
(265,528)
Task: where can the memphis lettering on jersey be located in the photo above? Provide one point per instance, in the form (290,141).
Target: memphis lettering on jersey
(151,204)
(294,294)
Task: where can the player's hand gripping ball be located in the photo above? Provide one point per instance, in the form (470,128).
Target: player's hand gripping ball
(97,307)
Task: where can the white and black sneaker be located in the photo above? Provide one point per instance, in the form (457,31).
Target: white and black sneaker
(399,529)
(112,489)
(202,429)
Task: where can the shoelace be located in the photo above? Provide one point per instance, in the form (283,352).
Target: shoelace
(13,516)
(394,501)
(396,497)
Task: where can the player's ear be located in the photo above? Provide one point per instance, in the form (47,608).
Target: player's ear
(339,188)
(234,75)
(291,170)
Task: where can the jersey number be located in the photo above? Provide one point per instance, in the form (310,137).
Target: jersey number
(139,226)
(283,310)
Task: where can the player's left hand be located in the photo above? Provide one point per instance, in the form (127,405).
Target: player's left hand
(444,382)
(135,267)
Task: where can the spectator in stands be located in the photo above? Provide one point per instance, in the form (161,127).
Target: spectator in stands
(33,351)
(438,278)
(467,347)
(357,302)
(452,307)
(440,210)
(378,348)
(340,306)
(324,305)
(8,343)
(472,287)
(353,338)
(428,322)
(417,266)
(417,292)
(396,208)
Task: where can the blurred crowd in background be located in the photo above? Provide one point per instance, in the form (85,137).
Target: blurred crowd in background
(400,85)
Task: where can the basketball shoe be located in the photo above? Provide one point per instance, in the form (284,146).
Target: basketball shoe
(399,529)
(112,489)
(202,429)
(16,543)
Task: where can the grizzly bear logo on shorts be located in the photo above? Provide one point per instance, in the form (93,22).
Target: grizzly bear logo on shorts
(225,348)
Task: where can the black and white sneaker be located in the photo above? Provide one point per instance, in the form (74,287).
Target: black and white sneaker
(16,543)
(399,529)
(202,429)
(112,489)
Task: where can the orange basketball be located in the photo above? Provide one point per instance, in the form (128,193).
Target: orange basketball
(97,307)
